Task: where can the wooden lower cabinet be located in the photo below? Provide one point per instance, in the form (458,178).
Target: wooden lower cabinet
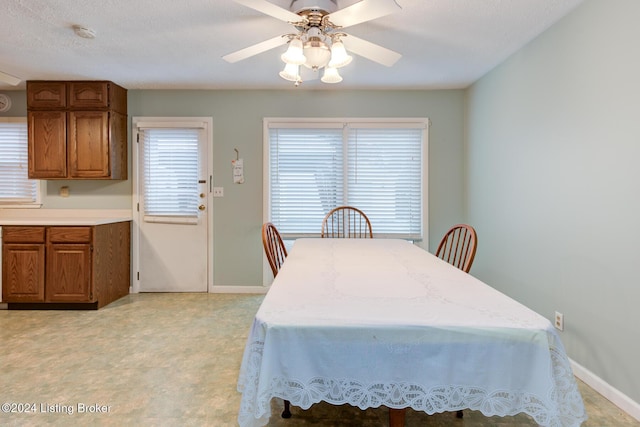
(82,267)
(68,273)
(23,272)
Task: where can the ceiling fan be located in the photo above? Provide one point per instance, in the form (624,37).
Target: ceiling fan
(318,40)
(9,79)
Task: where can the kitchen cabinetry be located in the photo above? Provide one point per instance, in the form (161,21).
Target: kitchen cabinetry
(74,267)
(23,263)
(77,130)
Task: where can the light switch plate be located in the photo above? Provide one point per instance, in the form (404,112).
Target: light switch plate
(218,191)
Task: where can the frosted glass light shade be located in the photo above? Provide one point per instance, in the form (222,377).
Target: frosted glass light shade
(290,73)
(317,54)
(331,75)
(339,56)
(294,54)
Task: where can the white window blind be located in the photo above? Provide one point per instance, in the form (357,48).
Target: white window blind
(385,178)
(376,167)
(170,173)
(15,186)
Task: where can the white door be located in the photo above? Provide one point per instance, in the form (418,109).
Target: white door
(174,211)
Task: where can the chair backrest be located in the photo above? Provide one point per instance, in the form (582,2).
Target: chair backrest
(273,247)
(346,222)
(458,246)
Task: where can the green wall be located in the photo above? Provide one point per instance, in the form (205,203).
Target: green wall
(237,123)
(552,183)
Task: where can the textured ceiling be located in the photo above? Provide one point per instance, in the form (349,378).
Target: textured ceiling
(168,44)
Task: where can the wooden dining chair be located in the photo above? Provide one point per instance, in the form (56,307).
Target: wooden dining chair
(458,248)
(346,222)
(276,253)
(273,247)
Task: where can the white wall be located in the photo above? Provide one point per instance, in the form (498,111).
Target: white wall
(553,183)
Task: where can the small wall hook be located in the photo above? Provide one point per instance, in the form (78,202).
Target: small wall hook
(237,153)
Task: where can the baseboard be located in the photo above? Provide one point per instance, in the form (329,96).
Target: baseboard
(238,289)
(612,394)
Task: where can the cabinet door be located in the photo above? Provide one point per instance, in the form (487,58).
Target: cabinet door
(48,95)
(89,144)
(88,95)
(23,272)
(69,273)
(47,140)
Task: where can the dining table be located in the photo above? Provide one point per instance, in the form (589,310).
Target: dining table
(383,322)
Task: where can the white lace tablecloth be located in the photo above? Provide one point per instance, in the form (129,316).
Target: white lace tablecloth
(373,322)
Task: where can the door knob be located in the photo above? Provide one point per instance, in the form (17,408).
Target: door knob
(201,207)
(202,195)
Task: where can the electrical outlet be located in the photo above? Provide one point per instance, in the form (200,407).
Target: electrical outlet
(559,321)
(218,191)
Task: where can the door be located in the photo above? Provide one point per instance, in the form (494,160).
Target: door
(173,217)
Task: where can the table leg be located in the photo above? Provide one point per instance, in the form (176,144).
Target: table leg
(396,417)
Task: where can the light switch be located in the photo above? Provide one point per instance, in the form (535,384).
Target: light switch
(64,191)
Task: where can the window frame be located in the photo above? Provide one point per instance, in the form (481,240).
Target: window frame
(203,125)
(424,123)
(39,184)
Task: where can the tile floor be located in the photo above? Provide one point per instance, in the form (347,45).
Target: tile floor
(170,360)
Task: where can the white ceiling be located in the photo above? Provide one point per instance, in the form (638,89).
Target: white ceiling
(169,44)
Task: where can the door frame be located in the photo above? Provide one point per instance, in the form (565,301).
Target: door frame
(135,199)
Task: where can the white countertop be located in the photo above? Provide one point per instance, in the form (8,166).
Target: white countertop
(63,216)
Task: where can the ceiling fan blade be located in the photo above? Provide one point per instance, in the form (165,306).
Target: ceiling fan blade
(9,79)
(270,9)
(255,49)
(370,50)
(363,11)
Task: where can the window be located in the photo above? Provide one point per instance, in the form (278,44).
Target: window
(312,166)
(170,170)
(16,189)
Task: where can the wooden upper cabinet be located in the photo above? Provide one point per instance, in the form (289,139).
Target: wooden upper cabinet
(77,130)
(84,95)
(88,148)
(47,142)
(46,95)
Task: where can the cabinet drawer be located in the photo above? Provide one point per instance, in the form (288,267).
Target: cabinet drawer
(46,94)
(88,94)
(23,234)
(69,234)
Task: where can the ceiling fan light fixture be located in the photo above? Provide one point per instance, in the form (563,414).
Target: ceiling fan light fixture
(291,73)
(294,54)
(317,53)
(331,75)
(339,56)
(317,41)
